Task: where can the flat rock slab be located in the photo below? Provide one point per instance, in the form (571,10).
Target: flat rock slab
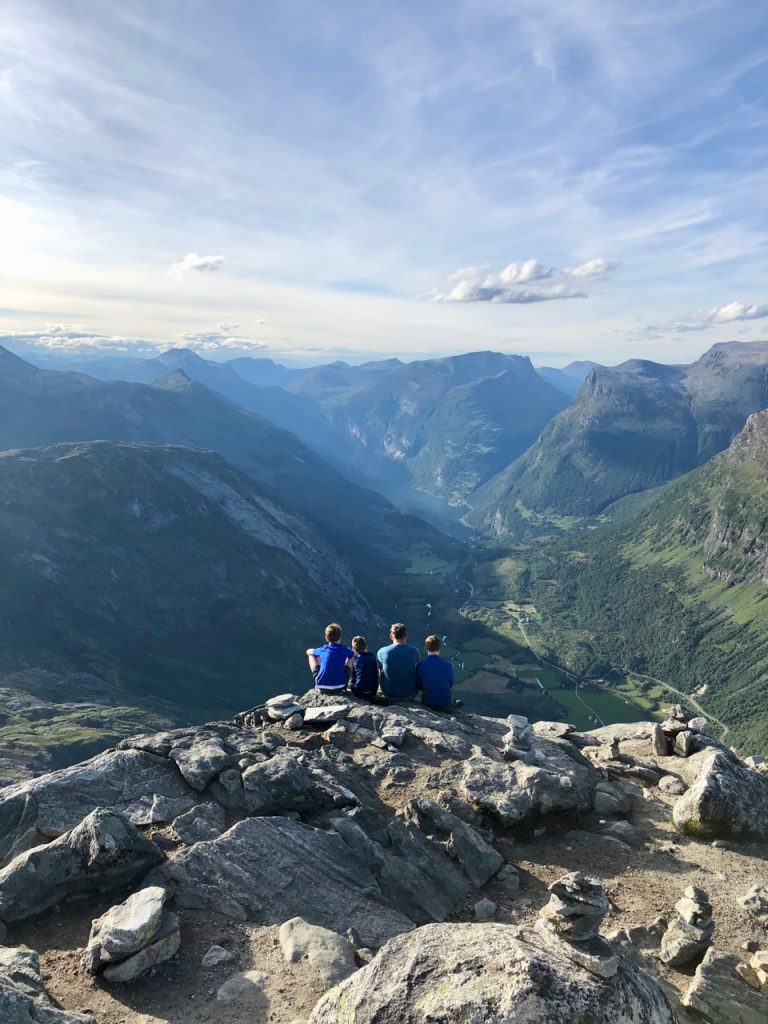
(328,952)
(726,799)
(23,999)
(326,714)
(273,869)
(486,974)
(721,997)
(205,821)
(103,852)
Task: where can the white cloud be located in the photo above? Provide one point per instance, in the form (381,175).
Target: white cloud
(204,264)
(220,340)
(75,340)
(526,282)
(736,311)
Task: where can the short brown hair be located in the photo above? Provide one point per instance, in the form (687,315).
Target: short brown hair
(359,644)
(398,631)
(432,643)
(333,633)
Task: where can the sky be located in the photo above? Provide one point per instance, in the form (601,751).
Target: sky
(355,179)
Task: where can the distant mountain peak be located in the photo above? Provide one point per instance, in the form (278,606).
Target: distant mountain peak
(176,380)
(180,356)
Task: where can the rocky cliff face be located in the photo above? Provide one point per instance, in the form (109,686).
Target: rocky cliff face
(241,871)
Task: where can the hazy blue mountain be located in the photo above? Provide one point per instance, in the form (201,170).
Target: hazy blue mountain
(162,569)
(632,427)
(568,378)
(300,414)
(262,371)
(336,381)
(445,425)
(44,407)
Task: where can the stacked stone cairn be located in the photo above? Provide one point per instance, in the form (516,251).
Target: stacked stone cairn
(571,923)
(516,743)
(680,734)
(286,709)
(689,934)
(132,937)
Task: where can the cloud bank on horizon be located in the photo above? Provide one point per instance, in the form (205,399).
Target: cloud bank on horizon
(345,164)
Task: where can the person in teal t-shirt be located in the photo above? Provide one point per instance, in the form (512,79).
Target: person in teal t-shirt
(397,663)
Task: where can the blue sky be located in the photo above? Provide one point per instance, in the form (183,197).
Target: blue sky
(353,178)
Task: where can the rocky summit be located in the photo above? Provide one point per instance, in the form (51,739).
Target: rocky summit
(337,862)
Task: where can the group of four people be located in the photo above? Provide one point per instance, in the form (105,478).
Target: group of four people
(396,670)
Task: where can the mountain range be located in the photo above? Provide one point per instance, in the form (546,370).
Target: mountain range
(632,427)
(439,426)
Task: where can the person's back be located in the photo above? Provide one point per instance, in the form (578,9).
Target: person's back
(435,677)
(330,663)
(398,663)
(365,670)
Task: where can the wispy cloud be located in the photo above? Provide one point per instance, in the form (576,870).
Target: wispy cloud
(202,264)
(522,283)
(704,320)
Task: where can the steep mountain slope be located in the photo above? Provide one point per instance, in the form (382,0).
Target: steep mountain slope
(447,424)
(632,427)
(568,378)
(680,591)
(163,569)
(43,407)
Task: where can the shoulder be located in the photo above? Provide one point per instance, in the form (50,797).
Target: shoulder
(320,650)
(383,650)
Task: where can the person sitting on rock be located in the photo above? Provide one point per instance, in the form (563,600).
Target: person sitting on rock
(331,664)
(434,677)
(365,670)
(397,665)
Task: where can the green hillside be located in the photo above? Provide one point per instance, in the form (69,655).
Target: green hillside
(678,591)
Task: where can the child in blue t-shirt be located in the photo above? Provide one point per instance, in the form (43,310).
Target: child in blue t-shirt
(331,663)
(434,677)
(365,670)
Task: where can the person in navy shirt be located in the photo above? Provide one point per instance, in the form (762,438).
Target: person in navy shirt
(434,677)
(331,664)
(365,670)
